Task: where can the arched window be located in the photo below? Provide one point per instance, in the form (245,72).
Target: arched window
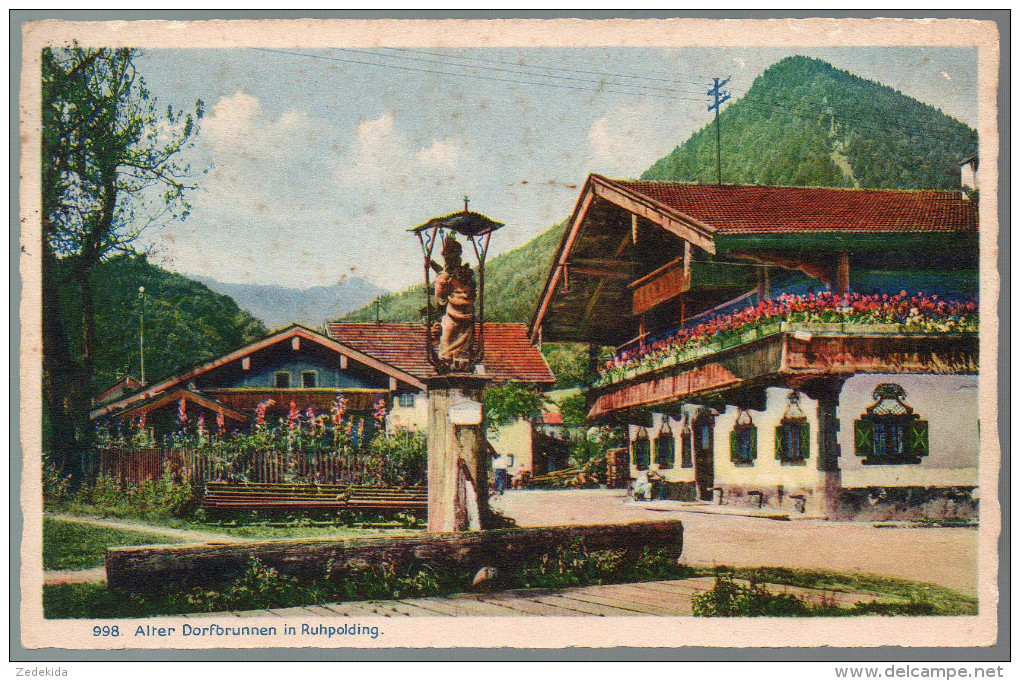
(889,432)
(665,446)
(641,454)
(687,446)
(744,440)
(793,434)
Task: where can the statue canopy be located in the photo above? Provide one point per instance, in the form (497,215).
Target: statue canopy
(466,223)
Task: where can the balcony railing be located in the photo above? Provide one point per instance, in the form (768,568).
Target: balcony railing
(825,314)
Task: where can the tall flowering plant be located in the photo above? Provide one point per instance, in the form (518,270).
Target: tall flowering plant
(379,413)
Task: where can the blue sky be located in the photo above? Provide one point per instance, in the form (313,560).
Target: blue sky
(317,165)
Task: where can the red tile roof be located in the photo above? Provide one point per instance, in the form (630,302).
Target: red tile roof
(750,209)
(552,418)
(508,353)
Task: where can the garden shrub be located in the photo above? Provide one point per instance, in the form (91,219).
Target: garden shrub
(728,598)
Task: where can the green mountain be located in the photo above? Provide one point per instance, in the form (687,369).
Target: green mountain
(185,322)
(803,122)
(513,283)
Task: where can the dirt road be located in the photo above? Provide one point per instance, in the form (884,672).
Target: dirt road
(945,556)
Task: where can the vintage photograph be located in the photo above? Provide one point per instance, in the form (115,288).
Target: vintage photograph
(339,333)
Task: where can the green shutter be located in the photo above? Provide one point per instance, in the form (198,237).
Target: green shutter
(734,454)
(917,438)
(805,442)
(863,432)
(754,442)
(779,442)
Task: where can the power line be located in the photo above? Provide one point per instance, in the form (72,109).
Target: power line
(468,75)
(699,86)
(750,102)
(514,71)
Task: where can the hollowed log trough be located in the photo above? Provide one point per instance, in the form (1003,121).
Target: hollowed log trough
(163,568)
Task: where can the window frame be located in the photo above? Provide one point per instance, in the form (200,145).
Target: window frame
(889,433)
(276,380)
(645,445)
(667,439)
(315,378)
(687,448)
(793,431)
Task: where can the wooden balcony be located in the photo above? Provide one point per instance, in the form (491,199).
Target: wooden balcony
(782,355)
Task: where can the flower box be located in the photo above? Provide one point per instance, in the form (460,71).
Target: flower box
(749,335)
(816,327)
(770,328)
(873,328)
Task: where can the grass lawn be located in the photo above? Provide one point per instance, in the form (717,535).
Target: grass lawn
(77,546)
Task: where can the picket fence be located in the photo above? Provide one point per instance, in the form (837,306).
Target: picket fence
(136,466)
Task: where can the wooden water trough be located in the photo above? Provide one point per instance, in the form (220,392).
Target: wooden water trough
(151,569)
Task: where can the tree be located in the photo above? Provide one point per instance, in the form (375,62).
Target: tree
(111,166)
(511,401)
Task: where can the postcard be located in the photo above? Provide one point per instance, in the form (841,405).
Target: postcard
(434,333)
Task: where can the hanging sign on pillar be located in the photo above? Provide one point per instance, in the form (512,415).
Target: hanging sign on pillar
(466,413)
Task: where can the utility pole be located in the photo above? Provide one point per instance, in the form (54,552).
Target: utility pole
(141,331)
(720,97)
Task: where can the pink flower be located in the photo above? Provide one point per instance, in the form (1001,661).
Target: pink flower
(182,412)
(260,411)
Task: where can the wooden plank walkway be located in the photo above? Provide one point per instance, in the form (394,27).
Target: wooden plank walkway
(671,598)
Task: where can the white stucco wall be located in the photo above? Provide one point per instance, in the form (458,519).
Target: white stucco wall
(515,440)
(412,418)
(948,403)
(950,406)
(767,470)
(676,473)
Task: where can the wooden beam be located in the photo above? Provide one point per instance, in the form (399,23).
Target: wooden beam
(569,237)
(154,569)
(602,274)
(843,274)
(683,226)
(661,285)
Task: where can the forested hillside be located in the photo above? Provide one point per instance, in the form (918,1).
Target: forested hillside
(804,122)
(185,322)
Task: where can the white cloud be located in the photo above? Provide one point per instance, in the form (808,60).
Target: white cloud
(232,116)
(946,76)
(445,153)
(739,63)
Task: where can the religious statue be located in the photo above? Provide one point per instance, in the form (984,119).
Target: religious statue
(455,288)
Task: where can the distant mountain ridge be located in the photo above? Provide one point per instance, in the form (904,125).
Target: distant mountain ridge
(803,122)
(277,306)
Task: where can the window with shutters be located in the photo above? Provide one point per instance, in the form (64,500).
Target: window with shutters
(744,440)
(665,447)
(686,448)
(641,454)
(889,432)
(793,434)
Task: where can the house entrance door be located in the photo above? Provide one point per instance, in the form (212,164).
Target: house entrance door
(704,455)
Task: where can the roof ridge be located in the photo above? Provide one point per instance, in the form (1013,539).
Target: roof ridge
(706,185)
